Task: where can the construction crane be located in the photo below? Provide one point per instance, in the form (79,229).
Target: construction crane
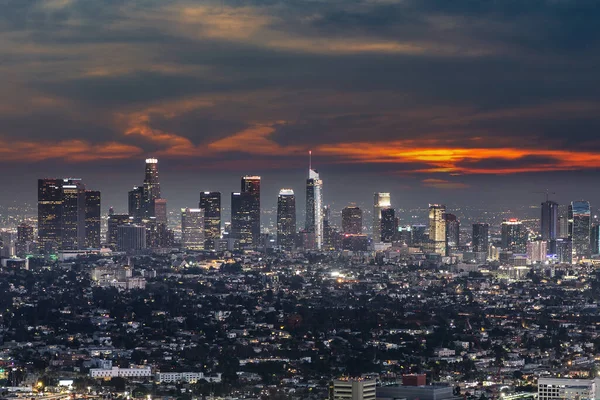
(547,193)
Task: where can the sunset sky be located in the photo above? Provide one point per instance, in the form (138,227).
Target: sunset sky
(434,100)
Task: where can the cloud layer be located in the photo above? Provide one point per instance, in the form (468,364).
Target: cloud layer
(434,87)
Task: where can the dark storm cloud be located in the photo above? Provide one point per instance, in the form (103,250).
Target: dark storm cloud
(510,164)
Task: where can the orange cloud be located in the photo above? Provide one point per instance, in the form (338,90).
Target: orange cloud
(254,140)
(459,160)
(68,150)
(443,184)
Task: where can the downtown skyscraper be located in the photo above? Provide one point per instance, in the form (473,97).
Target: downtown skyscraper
(580,225)
(549,220)
(68,216)
(286,218)
(245,212)
(314,207)
(192,228)
(437,228)
(381,201)
(210,202)
(481,238)
(142,200)
(352,220)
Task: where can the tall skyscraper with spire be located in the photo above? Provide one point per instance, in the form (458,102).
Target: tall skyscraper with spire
(549,220)
(381,201)
(314,205)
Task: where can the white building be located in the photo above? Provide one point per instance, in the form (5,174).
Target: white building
(354,389)
(188,377)
(116,372)
(563,388)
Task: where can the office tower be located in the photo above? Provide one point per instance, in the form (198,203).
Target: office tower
(354,389)
(73,214)
(114,221)
(437,228)
(50,212)
(151,187)
(549,220)
(92,219)
(331,236)
(537,251)
(452,232)
(160,211)
(418,235)
(242,224)
(192,228)
(286,218)
(25,233)
(562,228)
(514,236)
(381,201)
(61,214)
(314,207)
(111,211)
(158,236)
(595,240)
(481,242)
(580,229)
(388,225)
(352,220)
(251,203)
(210,202)
(131,238)
(404,235)
(564,250)
(135,202)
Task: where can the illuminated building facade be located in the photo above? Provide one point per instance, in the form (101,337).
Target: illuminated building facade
(314,207)
(114,221)
(286,218)
(514,236)
(388,225)
(92,219)
(210,202)
(481,242)
(437,228)
(192,228)
(580,229)
(352,220)
(452,232)
(381,201)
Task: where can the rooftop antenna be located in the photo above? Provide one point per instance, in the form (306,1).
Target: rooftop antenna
(310,159)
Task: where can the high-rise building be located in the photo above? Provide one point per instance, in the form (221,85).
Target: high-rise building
(418,235)
(25,233)
(160,211)
(562,228)
(241,224)
(580,229)
(92,219)
(192,228)
(286,218)
(354,389)
(314,207)
(481,242)
(210,202)
(73,214)
(62,214)
(564,250)
(388,225)
(437,228)
(135,202)
(131,238)
(251,190)
(514,236)
(452,232)
(352,220)
(114,221)
(381,201)
(595,240)
(549,220)
(151,187)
